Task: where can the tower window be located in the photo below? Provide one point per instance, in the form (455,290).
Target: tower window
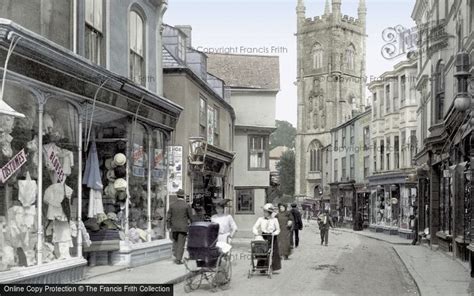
(350,53)
(317,56)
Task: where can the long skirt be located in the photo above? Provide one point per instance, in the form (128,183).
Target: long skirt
(276,260)
(284,242)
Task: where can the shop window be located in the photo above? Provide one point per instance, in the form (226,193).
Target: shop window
(258,152)
(18,196)
(203,118)
(158,185)
(94,45)
(137,48)
(138,181)
(245,201)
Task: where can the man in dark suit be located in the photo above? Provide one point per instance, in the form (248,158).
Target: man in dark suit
(297,226)
(179,217)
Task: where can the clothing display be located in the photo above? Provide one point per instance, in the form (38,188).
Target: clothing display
(120,184)
(62,239)
(27,191)
(53,196)
(92,177)
(95,203)
(120,159)
(67,160)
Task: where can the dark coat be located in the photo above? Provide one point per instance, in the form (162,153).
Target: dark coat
(284,238)
(179,216)
(298,222)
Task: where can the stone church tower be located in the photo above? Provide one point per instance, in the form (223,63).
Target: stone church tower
(331,84)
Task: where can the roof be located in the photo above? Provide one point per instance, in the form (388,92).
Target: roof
(246,71)
(169,61)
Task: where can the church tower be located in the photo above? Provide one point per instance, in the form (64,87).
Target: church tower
(331,79)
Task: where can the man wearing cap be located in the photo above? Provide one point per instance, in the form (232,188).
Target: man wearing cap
(179,217)
(297,226)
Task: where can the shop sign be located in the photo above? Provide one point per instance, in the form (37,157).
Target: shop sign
(175,168)
(13,166)
(55,163)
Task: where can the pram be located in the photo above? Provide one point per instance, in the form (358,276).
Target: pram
(261,256)
(211,263)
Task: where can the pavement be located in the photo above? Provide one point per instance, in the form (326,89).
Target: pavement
(354,263)
(434,271)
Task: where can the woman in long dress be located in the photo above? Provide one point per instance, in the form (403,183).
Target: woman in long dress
(227,226)
(286,220)
(268,227)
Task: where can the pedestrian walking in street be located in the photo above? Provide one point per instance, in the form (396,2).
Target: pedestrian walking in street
(227,226)
(297,225)
(268,227)
(286,221)
(335,218)
(414,225)
(324,222)
(179,217)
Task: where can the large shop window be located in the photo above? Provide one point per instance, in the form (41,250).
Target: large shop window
(158,186)
(258,156)
(245,201)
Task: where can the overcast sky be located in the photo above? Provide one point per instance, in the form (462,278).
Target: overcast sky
(268,27)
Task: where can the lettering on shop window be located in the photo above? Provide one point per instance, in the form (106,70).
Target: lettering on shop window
(13,166)
(55,163)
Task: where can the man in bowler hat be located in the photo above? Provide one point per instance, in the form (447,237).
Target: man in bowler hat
(179,217)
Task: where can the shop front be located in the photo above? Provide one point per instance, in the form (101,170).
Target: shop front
(361,206)
(344,197)
(392,203)
(83,157)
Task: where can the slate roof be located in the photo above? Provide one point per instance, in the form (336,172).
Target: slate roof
(246,71)
(169,61)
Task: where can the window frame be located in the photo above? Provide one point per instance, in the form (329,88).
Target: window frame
(251,193)
(317,53)
(134,53)
(343,168)
(352,166)
(203,117)
(92,27)
(265,150)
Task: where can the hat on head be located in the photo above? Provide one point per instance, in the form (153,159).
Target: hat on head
(294,205)
(221,202)
(120,159)
(180,193)
(269,208)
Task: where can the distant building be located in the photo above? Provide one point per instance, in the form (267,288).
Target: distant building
(394,141)
(331,85)
(254,82)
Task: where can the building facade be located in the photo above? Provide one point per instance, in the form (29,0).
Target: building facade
(444,159)
(207,134)
(87,127)
(254,82)
(350,169)
(331,85)
(393,145)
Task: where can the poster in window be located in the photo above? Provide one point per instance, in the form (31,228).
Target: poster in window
(158,165)
(175,168)
(210,125)
(138,155)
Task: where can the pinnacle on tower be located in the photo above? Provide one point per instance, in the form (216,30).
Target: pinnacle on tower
(362,10)
(336,8)
(327,9)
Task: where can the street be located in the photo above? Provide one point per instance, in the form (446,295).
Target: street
(350,265)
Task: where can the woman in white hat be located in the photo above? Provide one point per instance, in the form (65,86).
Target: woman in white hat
(268,226)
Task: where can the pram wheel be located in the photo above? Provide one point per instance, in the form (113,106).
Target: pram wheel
(193,281)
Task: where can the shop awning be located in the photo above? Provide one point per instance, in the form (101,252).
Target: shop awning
(42,60)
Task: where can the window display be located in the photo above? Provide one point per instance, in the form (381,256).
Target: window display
(158,186)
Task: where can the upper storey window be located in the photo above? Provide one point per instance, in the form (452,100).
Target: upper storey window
(350,56)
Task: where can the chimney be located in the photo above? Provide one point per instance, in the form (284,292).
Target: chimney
(188,31)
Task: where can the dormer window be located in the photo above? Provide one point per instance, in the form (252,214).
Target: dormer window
(181,47)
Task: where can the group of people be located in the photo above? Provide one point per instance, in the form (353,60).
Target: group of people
(283,226)
(180,215)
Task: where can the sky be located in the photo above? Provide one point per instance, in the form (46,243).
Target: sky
(268,27)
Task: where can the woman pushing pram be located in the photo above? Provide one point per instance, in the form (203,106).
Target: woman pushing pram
(266,229)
